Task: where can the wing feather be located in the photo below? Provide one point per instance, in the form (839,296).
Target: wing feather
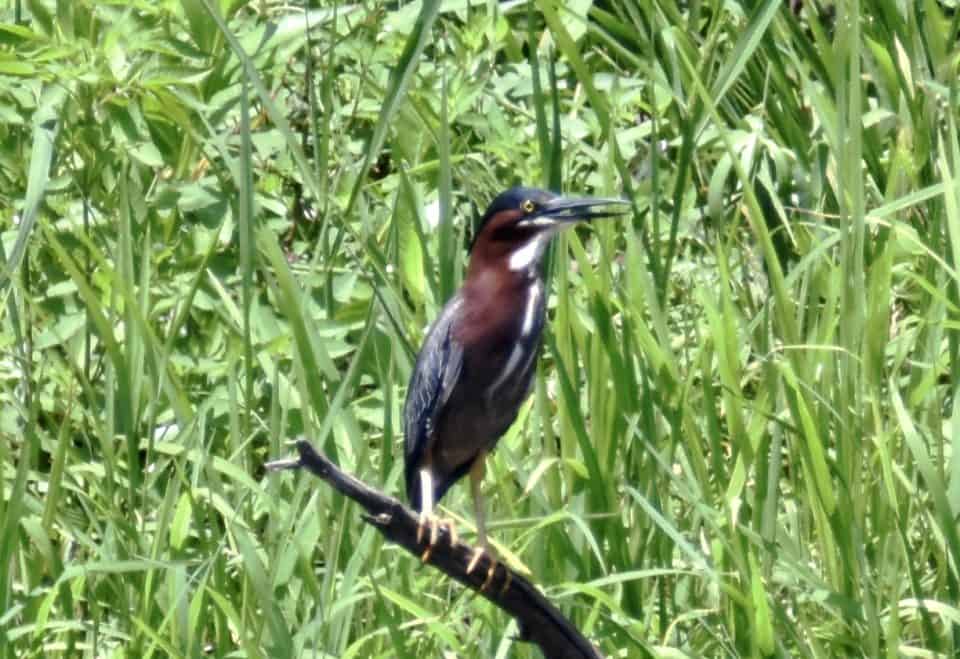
(434,377)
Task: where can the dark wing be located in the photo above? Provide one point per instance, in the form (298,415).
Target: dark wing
(434,376)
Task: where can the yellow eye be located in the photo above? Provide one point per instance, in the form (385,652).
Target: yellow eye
(528,206)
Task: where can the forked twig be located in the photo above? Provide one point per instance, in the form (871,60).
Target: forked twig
(540,622)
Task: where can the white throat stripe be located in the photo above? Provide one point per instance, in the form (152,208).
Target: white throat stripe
(516,360)
(527,256)
(533,301)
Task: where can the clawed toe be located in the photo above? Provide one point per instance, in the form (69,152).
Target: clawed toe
(507,580)
(434,535)
(477,554)
(421,527)
(430,539)
(493,563)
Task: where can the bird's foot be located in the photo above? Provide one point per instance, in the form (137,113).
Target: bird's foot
(434,524)
(484,551)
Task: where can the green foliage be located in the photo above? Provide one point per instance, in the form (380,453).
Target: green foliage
(225,225)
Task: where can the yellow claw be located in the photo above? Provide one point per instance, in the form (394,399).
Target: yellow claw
(507,580)
(435,524)
(421,526)
(479,553)
(472,565)
(491,571)
(454,538)
(425,556)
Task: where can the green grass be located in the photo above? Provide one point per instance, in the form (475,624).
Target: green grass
(219,232)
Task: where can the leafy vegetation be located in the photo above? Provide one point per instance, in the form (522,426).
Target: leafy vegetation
(227,224)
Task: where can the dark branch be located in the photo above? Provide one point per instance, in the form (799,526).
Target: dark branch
(539,621)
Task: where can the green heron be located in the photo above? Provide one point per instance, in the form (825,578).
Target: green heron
(477,361)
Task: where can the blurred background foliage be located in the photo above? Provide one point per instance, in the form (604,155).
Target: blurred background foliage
(226,224)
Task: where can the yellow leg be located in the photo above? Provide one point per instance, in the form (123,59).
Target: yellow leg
(426,513)
(483,546)
(428,519)
(426,504)
(477,471)
(479,509)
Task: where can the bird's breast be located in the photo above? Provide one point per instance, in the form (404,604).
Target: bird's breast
(500,323)
(498,329)
(500,337)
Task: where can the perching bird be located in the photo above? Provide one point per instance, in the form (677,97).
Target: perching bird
(477,361)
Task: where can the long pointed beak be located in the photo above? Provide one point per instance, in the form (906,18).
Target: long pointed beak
(568,211)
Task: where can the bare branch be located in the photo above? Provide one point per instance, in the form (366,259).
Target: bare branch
(539,621)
